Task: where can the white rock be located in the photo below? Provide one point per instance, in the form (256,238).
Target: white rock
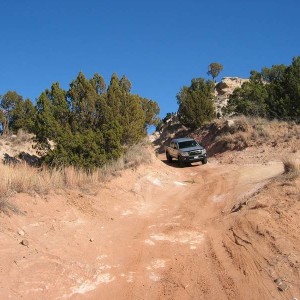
(21,233)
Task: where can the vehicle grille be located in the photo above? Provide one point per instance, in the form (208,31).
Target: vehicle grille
(196,152)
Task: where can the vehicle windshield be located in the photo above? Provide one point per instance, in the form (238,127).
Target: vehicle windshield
(187,144)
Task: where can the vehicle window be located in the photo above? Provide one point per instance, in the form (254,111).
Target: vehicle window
(187,144)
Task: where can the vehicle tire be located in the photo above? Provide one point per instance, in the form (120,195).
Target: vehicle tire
(204,161)
(180,162)
(169,157)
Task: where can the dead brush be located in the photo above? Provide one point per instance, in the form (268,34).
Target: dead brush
(75,177)
(133,157)
(23,178)
(242,140)
(24,136)
(245,131)
(7,207)
(236,141)
(137,155)
(241,123)
(295,146)
(291,167)
(261,131)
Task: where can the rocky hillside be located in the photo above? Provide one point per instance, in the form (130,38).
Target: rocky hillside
(18,147)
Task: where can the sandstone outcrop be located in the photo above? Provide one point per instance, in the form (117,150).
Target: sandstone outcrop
(224,89)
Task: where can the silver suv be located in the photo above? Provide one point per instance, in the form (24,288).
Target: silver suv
(186,150)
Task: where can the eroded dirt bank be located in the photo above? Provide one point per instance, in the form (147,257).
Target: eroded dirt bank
(160,232)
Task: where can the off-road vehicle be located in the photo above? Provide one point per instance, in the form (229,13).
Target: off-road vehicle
(186,151)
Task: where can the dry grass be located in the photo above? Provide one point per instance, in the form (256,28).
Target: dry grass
(18,139)
(23,178)
(7,207)
(236,141)
(242,132)
(134,156)
(291,167)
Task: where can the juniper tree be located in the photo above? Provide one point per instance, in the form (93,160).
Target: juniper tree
(214,70)
(196,103)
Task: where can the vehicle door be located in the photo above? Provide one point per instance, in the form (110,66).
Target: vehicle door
(172,149)
(175,150)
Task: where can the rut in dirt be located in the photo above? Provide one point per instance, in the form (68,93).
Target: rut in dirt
(178,245)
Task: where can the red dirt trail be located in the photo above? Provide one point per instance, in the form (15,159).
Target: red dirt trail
(159,232)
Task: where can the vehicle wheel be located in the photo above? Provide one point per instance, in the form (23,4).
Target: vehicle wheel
(169,157)
(180,162)
(204,161)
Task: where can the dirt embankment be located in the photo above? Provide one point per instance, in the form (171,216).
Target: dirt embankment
(225,230)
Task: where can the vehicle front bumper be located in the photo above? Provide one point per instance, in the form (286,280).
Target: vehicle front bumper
(195,158)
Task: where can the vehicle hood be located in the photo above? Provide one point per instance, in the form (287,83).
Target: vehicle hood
(191,149)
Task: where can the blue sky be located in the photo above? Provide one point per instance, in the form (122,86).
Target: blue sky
(159,45)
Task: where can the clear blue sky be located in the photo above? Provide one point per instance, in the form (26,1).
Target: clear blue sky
(159,45)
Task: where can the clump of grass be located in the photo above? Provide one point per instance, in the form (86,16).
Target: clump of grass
(294,147)
(291,167)
(76,177)
(23,178)
(24,136)
(133,157)
(137,155)
(242,124)
(235,141)
(262,131)
(7,207)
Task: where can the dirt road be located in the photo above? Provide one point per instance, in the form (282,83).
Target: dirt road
(154,233)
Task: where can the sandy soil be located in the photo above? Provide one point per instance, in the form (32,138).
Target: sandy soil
(215,231)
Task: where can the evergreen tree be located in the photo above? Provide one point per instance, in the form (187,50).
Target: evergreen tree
(114,96)
(9,102)
(23,116)
(131,114)
(98,84)
(125,84)
(249,100)
(133,119)
(290,89)
(196,103)
(274,93)
(82,96)
(60,106)
(214,70)
(3,122)
(126,110)
(46,127)
(89,125)
(151,111)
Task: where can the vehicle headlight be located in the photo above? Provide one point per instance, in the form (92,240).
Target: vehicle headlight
(203,151)
(184,153)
